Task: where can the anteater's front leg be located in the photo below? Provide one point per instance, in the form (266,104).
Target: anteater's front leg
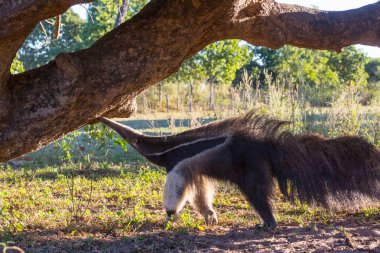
(181,187)
(176,192)
(190,181)
(204,191)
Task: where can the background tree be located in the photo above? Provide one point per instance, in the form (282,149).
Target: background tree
(323,73)
(220,61)
(17,66)
(76,33)
(190,72)
(121,13)
(40,47)
(263,60)
(373,70)
(319,74)
(373,87)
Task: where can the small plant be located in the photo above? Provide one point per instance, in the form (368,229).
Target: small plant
(78,206)
(246,91)
(283,103)
(344,117)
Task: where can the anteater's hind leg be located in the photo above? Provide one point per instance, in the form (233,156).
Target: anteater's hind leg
(257,186)
(262,205)
(204,191)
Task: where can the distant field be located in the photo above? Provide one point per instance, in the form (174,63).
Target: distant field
(314,121)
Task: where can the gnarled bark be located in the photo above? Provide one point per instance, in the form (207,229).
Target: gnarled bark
(17,21)
(42,104)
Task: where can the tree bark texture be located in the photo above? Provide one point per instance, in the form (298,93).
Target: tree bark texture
(43,104)
(17,21)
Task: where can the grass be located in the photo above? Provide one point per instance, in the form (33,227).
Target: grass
(119,200)
(100,193)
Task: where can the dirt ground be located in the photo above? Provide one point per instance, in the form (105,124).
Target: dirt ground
(339,237)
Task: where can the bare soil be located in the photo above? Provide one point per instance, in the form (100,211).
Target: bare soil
(348,236)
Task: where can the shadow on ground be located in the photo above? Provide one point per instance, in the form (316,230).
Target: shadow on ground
(345,236)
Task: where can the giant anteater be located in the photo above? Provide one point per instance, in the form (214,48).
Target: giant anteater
(254,152)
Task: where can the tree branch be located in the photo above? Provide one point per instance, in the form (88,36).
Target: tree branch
(284,24)
(122,12)
(57,27)
(17,21)
(75,89)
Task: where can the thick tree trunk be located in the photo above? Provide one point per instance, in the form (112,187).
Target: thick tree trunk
(17,21)
(41,105)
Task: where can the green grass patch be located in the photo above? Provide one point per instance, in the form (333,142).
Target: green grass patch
(121,200)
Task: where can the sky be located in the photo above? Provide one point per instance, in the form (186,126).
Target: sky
(329,5)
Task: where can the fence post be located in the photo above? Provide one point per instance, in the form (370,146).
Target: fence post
(167,103)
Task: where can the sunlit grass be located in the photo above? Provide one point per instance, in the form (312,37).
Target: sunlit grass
(120,200)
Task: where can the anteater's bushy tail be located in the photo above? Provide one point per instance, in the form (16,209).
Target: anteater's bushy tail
(333,173)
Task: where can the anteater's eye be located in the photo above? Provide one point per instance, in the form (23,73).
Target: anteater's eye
(134,141)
